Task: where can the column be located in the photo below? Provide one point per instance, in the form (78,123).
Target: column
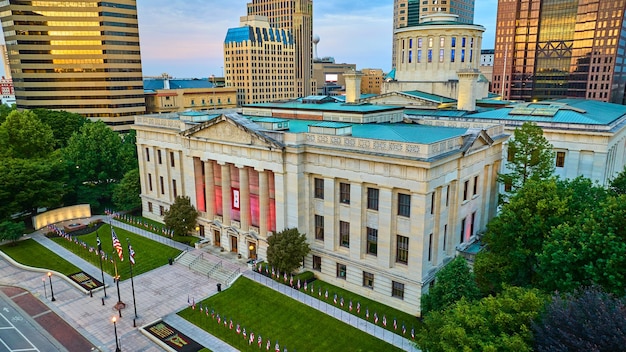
(226,193)
(209,182)
(197,171)
(244,198)
(264,203)
(387,228)
(437,226)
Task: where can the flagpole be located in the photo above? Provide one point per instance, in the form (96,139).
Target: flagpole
(104,286)
(119,305)
(132,284)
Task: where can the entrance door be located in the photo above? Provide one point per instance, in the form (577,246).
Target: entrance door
(251,250)
(233,244)
(216,238)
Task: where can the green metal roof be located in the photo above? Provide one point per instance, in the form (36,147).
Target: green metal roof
(328,106)
(431,97)
(397,132)
(269,119)
(436,113)
(566,111)
(331,124)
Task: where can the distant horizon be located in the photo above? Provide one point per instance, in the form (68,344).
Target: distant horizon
(184,38)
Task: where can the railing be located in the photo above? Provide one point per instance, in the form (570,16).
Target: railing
(194,261)
(212,270)
(232,277)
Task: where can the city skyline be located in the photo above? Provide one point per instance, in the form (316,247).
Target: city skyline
(198,49)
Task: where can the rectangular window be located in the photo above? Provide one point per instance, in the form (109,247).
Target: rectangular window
(472,223)
(465,189)
(368,279)
(344,193)
(172,162)
(159,156)
(150,207)
(432,203)
(475,192)
(147,154)
(419,42)
(319,188)
(448,195)
(319,227)
(162,185)
(397,290)
(452,54)
(341,271)
(410,56)
(372,198)
(174,188)
(430,247)
(161,210)
(462,55)
(402,249)
(445,236)
(440,55)
(372,241)
(344,234)
(404,204)
(430,55)
(150,182)
(463,40)
(442,42)
(317,263)
(419,56)
(453,42)
(560,159)
(462,230)
(410,43)
(430,42)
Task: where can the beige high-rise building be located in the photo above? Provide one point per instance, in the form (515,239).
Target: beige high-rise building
(78,56)
(5,61)
(371,81)
(259,61)
(295,16)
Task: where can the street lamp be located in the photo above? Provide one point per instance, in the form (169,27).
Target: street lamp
(117,345)
(51,291)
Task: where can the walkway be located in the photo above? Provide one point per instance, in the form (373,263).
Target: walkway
(159,294)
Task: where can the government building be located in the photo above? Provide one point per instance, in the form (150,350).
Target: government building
(384,202)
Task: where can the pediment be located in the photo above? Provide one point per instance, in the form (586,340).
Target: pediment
(227,130)
(476,141)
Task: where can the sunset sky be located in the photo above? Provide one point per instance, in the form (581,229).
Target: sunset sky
(184,37)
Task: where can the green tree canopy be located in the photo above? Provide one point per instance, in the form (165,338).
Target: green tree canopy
(126,195)
(5,110)
(500,323)
(618,184)
(453,282)
(25,136)
(181,216)
(11,231)
(93,162)
(587,320)
(530,156)
(28,184)
(128,152)
(286,250)
(62,123)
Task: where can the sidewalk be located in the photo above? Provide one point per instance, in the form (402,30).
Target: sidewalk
(159,294)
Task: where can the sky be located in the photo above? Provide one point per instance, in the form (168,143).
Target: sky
(184,38)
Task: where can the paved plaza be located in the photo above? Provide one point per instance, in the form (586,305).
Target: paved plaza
(159,294)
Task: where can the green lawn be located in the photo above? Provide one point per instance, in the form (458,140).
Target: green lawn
(155,227)
(148,254)
(31,253)
(409,321)
(294,325)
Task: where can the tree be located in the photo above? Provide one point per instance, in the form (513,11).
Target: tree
(11,231)
(28,184)
(25,136)
(181,216)
(530,156)
(92,159)
(5,110)
(453,282)
(500,323)
(587,320)
(618,184)
(516,237)
(63,124)
(128,152)
(126,195)
(286,250)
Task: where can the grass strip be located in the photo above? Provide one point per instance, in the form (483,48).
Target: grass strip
(29,252)
(294,325)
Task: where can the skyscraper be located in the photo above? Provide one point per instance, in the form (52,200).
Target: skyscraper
(407,13)
(560,48)
(78,56)
(295,16)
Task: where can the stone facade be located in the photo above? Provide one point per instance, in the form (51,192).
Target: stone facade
(381,215)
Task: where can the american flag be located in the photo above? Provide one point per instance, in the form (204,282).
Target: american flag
(131,254)
(117,245)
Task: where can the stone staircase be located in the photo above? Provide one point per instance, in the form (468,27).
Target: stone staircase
(211,267)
